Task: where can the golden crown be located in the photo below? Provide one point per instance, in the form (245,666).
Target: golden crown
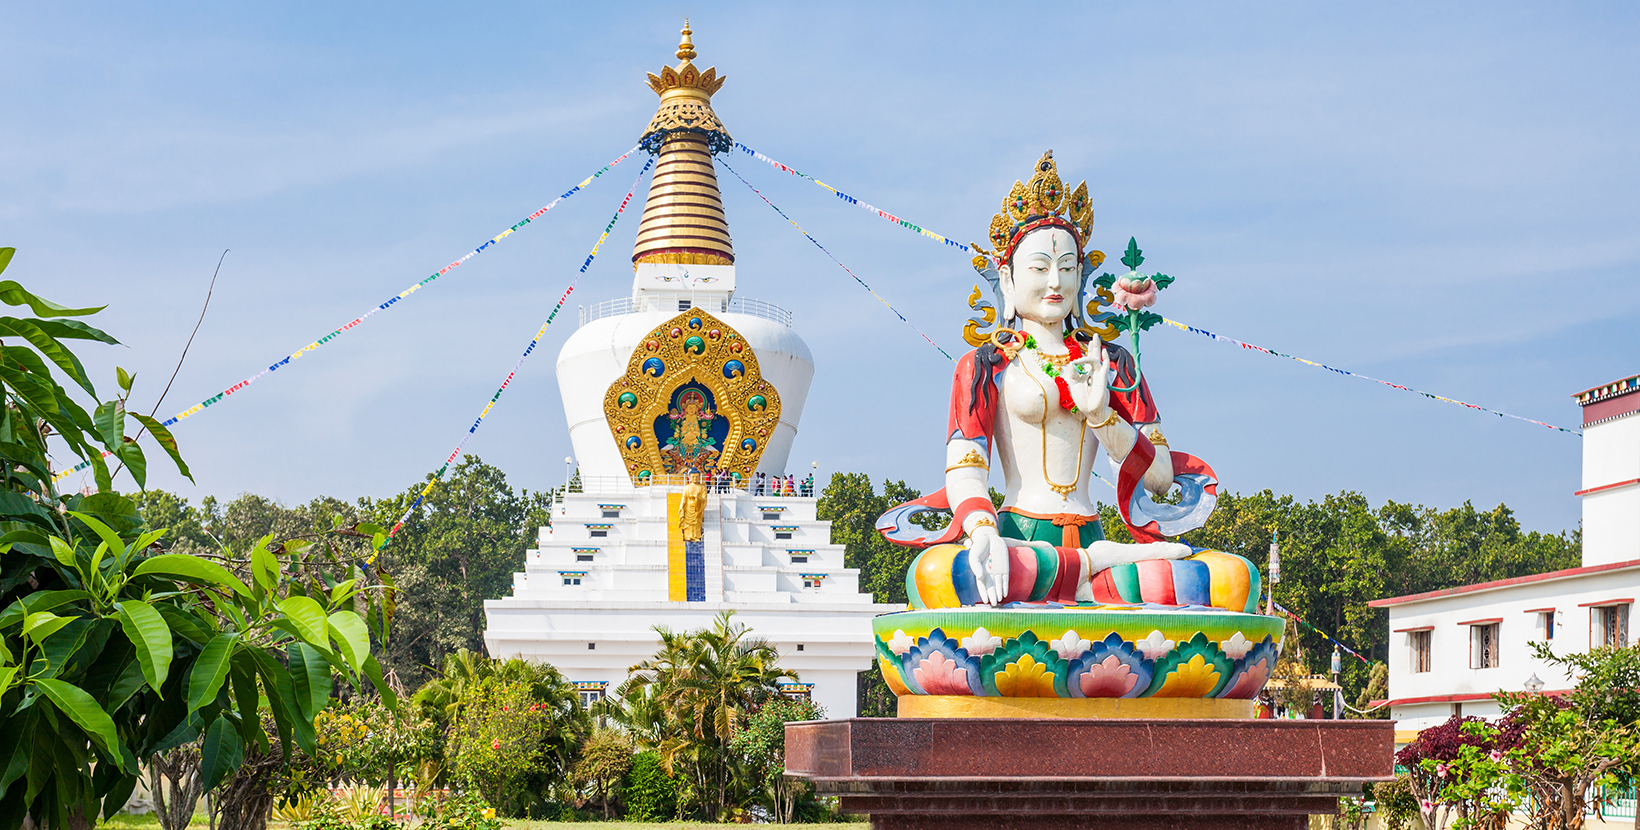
(1039,202)
(686,76)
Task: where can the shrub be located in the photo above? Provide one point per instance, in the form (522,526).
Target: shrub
(468,811)
(651,794)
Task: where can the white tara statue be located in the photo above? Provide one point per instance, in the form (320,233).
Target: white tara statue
(1046,394)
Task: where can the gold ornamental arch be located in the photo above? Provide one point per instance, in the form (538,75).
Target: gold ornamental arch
(693,347)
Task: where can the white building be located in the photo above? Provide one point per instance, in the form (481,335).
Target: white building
(683,375)
(1450,650)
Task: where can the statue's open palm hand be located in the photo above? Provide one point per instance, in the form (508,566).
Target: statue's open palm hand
(989,555)
(1089,380)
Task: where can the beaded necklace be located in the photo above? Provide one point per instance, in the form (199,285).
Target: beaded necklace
(1053,366)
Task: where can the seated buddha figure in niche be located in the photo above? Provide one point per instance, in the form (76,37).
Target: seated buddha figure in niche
(1042,396)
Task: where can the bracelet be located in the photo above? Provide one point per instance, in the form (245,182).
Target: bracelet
(982,523)
(972,459)
(1158,439)
(1109,419)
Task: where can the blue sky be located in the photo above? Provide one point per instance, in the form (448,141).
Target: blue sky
(1442,197)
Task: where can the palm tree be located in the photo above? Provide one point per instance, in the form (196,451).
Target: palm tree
(705,681)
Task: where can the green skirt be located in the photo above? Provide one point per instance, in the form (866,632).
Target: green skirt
(1024,528)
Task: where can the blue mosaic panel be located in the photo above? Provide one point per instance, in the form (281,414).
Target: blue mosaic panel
(694,571)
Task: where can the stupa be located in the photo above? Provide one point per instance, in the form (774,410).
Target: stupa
(681,377)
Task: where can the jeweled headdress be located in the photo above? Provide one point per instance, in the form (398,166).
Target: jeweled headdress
(1038,203)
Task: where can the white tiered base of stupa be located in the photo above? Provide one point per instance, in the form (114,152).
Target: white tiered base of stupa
(588,604)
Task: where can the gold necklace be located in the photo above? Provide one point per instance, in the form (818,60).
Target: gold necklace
(1062,489)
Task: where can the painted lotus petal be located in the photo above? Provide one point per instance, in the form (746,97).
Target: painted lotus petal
(1070,646)
(982,642)
(1108,678)
(1246,684)
(1236,647)
(940,675)
(1197,668)
(901,643)
(1252,671)
(964,668)
(1025,678)
(1112,647)
(1156,646)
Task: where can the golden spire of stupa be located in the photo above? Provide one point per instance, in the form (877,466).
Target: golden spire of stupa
(683,220)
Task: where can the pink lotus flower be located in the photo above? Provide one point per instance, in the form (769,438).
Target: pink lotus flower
(1251,681)
(1134,294)
(1108,678)
(939,675)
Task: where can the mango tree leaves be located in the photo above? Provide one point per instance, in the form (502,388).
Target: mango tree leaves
(310,679)
(149,632)
(221,753)
(309,620)
(166,440)
(47,345)
(192,569)
(352,638)
(13,294)
(209,670)
(82,708)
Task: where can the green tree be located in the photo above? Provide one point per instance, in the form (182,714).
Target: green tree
(710,679)
(761,742)
(458,548)
(109,651)
(605,760)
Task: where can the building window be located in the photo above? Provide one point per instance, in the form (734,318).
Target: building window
(601,534)
(800,560)
(1609,626)
(612,514)
(799,646)
(811,582)
(1546,624)
(583,557)
(572,580)
(590,697)
(1483,646)
(1420,651)
(683,305)
(782,535)
(771,515)
(592,646)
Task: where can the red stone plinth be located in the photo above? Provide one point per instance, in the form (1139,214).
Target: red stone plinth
(1047,774)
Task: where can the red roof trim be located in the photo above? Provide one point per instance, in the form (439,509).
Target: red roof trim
(1408,701)
(1487,621)
(1537,610)
(1504,583)
(1605,602)
(1613,486)
(1414,628)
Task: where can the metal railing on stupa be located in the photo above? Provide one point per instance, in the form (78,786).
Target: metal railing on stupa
(766,487)
(674,303)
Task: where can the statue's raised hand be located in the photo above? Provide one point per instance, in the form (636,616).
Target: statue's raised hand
(989,555)
(1089,380)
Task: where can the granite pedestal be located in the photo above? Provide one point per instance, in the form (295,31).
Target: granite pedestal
(1046,774)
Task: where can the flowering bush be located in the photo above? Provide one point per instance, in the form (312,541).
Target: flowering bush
(500,740)
(468,811)
(1459,772)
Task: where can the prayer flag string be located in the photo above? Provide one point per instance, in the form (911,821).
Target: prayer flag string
(1272,352)
(838,261)
(1334,640)
(535,341)
(355,322)
(1181,326)
(921,231)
